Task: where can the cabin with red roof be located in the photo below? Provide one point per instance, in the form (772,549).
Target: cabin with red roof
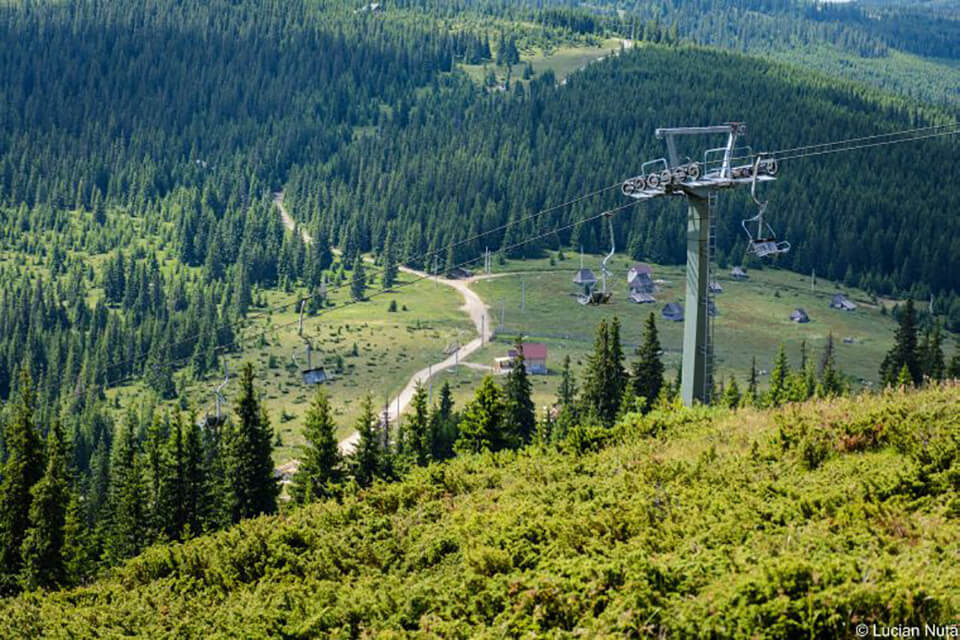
(534,358)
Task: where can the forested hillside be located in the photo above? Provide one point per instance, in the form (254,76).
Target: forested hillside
(146,147)
(453,167)
(139,183)
(795,523)
(905,36)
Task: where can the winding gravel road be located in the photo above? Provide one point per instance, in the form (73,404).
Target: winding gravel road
(472,306)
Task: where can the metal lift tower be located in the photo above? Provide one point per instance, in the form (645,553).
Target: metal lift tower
(722,168)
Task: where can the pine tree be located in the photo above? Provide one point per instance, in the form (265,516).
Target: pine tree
(954,370)
(604,376)
(545,428)
(366,458)
(647,378)
(481,428)
(320,461)
(752,382)
(443,425)
(831,382)
(249,460)
(619,373)
(779,392)
(904,379)
(904,351)
(389,261)
(731,395)
(419,437)
(155,468)
(520,416)
(217,491)
(196,501)
(567,391)
(171,501)
(128,524)
(42,548)
(358,281)
(77,550)
(21,471)
(628,402)
(933,361)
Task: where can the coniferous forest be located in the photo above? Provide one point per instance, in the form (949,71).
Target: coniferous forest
(144,146)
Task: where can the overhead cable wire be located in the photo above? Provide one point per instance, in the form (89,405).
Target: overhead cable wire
(902,132)
(883,143)
(223,347)
(423,257)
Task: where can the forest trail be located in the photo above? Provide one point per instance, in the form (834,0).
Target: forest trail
(288,220)
(472,305)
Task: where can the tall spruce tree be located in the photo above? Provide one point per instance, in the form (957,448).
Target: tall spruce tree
(21,471)
(358,281)
(647,375)
(520,416)
(831,381)
(389,261)
(42,548)
(731,395)
(419,437)
(481,427)
(128,524)
(567,391)
(155,467)
(752,382)
(172,502)
(620,377)
(249,460)
(78,548)
(320,461)
(367,459)
(933,364)
(604,376)
(443,425)
(904,351)
(954,369)
(779,391)
(196,501)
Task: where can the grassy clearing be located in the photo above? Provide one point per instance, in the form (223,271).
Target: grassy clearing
(752,320)
(561,60)
(391,347)
(567,59)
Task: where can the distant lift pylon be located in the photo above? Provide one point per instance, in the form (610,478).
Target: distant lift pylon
(723,167)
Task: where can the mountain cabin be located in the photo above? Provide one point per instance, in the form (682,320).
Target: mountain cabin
(534,358)
(842,302)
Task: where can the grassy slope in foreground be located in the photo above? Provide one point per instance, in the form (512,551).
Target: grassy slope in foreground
(800,522)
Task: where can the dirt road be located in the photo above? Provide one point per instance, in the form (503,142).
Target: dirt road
(472,305)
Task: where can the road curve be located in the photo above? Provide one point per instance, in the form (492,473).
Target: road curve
(472,306)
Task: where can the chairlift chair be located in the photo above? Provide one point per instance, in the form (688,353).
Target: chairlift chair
(764,241)
(310,374)
(215,420)
(603,296)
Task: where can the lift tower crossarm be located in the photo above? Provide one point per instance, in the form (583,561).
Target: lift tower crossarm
(699,184)
(732,129)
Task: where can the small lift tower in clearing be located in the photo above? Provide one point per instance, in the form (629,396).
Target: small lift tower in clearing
(722,168)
